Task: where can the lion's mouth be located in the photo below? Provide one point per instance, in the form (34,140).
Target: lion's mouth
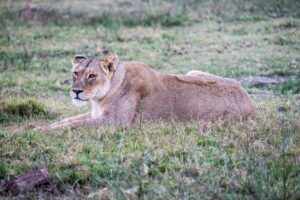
(77,98)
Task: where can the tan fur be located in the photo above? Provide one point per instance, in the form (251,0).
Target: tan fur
(198,73)
(137,93)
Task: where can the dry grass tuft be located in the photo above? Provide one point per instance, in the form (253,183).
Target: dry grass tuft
(15,109)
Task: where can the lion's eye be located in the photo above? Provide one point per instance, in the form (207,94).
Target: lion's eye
(92,76)
(75,73)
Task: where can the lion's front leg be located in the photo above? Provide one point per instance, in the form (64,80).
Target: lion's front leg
(72,119)
(65,121)
(97,122)
(86,122)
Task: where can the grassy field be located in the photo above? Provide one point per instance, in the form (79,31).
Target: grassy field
(259,159)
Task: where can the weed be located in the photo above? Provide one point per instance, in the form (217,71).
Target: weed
(289,86)
(4,169)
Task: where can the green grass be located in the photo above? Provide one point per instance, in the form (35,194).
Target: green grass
(254,160)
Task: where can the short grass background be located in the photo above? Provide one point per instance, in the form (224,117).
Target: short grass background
(233,38)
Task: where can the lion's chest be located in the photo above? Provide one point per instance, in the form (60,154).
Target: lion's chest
(97,111)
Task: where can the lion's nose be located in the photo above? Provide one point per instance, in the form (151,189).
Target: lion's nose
(77,92)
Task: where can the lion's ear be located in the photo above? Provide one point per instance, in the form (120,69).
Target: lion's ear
(109,63)
(78,59)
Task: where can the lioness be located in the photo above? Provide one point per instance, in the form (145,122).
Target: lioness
(122,93)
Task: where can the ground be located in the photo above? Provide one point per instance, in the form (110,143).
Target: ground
(258,159)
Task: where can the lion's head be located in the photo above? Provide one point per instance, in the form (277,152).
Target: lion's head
(91,77)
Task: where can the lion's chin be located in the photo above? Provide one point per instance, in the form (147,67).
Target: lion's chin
(78,102)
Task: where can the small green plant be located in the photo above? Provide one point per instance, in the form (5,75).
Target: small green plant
(4,169)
